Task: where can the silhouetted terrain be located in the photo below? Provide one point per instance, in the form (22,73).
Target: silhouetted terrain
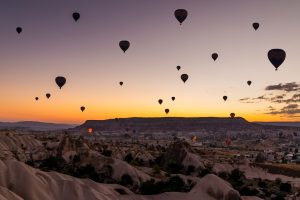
(170,124)
(291,124)
(35,126)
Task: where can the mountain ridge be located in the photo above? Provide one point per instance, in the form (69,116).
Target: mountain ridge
(35,125)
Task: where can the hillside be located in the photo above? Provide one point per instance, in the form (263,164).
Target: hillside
(35,126)
(168,124)
(287,124)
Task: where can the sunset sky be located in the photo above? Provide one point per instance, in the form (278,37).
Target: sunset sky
(86,52)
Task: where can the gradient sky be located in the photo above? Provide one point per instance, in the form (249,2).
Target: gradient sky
(87,54)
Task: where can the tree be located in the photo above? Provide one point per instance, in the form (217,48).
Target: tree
(126,180)
(285,187)
(128,158)
(156,169)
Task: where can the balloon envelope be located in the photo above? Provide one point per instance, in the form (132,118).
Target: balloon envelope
(249,82)
(121,83)
(36,98)
(214,56)
(167,111)
(178,68)
(124,45)
(160,101)
(60,81)
(19,30)
(181,15)
(48,95)
(184,77)
(225,98)
(173,98)
(76,16)
(276,57)
(255,25)
(82,108)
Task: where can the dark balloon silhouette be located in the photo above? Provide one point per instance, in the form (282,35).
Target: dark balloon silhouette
(160,101)
(181,15)
(276,57)
(121,83)
(36,98)
(178,68)
(255,25)
(167,111)
(225,98)
(19,30)
(76,16)
(249,82)
(232,115)
(214,56)
(124,45)
(48,95)
(60,81)
(82,108)
(184,77)
(173,98)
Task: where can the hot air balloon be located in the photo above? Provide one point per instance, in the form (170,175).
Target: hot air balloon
(225,98)
(90,130)
(249,82)
(228,142)
(173,98)
(214,56)
(121,83)
(232,115)
(36,98)
(19,30)
(82,108)
(184,77)
(167,111)
(181,15)
(76,16)
(124,45)
(178,67)
(48,95)
(194,138)
(160,101)
(276,57)
(60,81)
(255,25)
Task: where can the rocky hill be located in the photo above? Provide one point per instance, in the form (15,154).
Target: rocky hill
(167,124)
(35,126)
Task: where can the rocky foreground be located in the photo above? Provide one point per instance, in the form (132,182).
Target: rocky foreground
(32,168)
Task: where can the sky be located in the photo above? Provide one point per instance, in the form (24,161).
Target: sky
(86,52)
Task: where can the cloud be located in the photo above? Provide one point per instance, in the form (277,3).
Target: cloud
(290,109)
(262,97)
(287,87)
(244,99)
(247,100)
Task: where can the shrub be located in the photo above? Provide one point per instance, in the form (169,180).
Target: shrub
(285,187)
(120,191)
(224,175)
(174,184)
(174,168)
(107,153)
(190,169)
(128,158)
(237,174)
(156,169)
(126,180)
(278,181)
